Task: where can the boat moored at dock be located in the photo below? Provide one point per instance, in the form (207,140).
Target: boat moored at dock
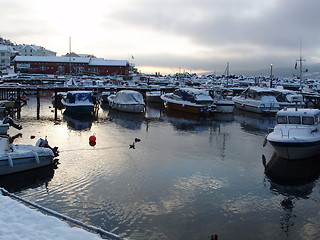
(257,99)
(18,158)
(79,101)
(189,100)
(127,101)
(296,134)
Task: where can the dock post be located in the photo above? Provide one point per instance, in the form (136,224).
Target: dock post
(19,104)
(55,105)
(38,104)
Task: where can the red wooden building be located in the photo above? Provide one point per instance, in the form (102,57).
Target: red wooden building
(75,65)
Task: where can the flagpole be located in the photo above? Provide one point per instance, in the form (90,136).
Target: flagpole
(70,56)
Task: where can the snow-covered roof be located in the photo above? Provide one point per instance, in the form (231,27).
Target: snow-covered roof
(307,112)
(260,89)
(103,62)
(87,60)
(6,48)
(51,59)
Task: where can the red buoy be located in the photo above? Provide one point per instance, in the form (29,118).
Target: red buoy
(92,138)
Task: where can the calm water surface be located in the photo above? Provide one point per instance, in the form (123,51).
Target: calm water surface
(186,179)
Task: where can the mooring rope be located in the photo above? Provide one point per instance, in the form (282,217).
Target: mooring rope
(62,216)
(91,149)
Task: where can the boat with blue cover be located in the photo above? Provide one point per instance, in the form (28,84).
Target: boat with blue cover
(79,101)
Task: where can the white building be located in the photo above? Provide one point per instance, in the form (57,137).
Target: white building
(32,50)
(6,54)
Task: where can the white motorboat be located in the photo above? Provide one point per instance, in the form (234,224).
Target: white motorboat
(127,101)
(257,99)
(189,100)
(296,134)
(223,104)
(18,158)
(286,98)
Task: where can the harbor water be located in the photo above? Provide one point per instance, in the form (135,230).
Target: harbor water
(166,175)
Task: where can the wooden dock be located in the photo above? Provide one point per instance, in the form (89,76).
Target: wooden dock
(17,92)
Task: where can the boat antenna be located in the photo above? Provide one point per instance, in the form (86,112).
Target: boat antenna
(300,64)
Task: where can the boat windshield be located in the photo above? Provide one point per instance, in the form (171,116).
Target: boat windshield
(296,120)
(308,120)
(282,120)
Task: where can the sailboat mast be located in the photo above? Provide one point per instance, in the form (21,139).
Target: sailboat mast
(227,74)
(300,65)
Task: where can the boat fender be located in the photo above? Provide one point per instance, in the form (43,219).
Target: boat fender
(36,157)
(10,161)
(265,141)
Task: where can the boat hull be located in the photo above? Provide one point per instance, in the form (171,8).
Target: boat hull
(131,108)
(153,97)
(80,109)
(15,165)
(256,109)
(200,109)
(296,150)
(76,108)
(224,106)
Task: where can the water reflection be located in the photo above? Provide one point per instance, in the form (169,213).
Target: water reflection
(294,180)
(292,173)
(29,179)
(132,121)
(187,121)
(254,122)
(78,121)
(154,110)
(224,117)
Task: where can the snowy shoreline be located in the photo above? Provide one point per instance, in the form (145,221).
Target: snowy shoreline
(18,221)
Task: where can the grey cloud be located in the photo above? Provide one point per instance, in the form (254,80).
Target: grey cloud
(219,22)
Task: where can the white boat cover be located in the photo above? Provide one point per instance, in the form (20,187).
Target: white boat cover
(128,97)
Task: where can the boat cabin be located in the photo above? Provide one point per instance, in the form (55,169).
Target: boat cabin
(79,96)
(194,95)
(258,93)
(298,116)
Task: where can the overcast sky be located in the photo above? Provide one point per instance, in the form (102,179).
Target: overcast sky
(168,35)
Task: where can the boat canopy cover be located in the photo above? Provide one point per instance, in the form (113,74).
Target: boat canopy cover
(129,97)
(193,95)
(79,96)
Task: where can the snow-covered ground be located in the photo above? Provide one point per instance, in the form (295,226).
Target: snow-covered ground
(18,221)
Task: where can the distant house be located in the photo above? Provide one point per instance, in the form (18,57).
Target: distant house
(33,50)
(71,65)
(6,55)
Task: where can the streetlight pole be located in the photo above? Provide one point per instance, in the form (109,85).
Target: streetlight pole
(271,75)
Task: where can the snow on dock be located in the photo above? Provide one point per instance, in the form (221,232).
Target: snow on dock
(18,221)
